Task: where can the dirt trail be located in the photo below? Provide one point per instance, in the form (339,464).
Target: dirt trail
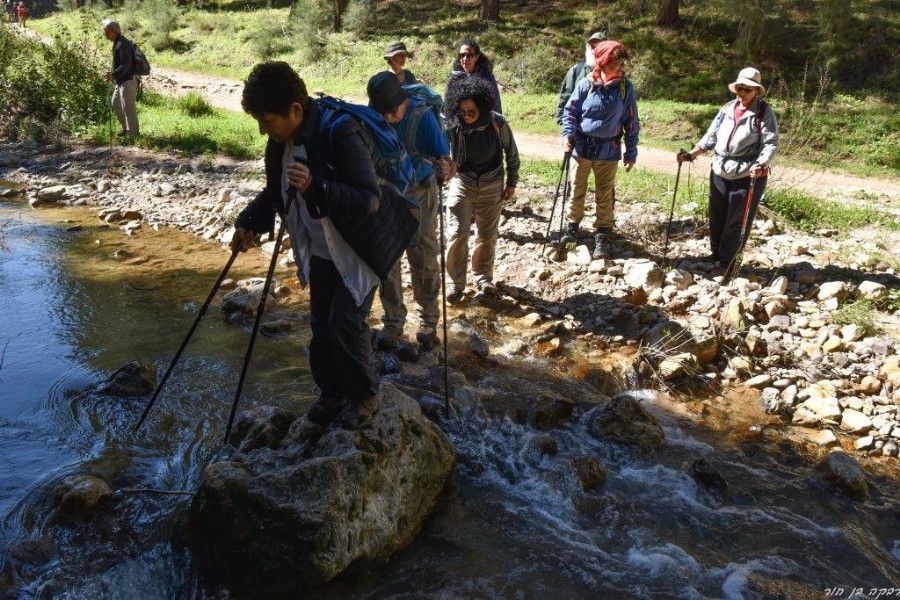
(226,93)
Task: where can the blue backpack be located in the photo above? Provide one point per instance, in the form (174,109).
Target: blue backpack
(429,100)
(395,165)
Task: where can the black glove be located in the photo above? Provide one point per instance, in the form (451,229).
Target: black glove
(684,155)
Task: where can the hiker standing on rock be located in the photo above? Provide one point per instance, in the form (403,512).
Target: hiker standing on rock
(420,132)
(580,70)
(744,135)
(480,140)
(471,62)
(601,111)
(22,13)
(396,55)
(124,97)
(339,232)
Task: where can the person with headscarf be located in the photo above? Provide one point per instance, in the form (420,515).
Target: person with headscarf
(744,135)
(601,112)
(480,142)
(472,62)
(396,56)
(580,70)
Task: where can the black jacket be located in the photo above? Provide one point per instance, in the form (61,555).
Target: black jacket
(345,187)
(123,60)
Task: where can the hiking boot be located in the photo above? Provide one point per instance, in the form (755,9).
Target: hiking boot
(427,338)
(571,233)
(387,339)
(456,295)
(326,409)
(360,413)
(487,287)
(601,245)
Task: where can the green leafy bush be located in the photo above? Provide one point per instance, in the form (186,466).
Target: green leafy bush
(48,91)
(194,105)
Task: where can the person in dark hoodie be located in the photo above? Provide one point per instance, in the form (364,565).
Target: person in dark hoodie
(472,62)
(345,235)
(124,98)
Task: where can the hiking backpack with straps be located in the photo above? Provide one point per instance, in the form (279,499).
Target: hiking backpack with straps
(394,164)
(395,177)
(140,64)
(428,99)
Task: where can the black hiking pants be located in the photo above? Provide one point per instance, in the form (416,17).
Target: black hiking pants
(727,203)
(340,353)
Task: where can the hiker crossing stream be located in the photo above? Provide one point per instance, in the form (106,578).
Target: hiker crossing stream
(542,509)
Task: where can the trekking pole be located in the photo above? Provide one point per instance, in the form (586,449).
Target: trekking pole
(671,213)
(444,300)
(567,189)
(260,308)
(187,338)
(745,233)
(563,169)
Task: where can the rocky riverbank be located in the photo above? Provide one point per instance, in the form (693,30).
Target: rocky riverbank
(808,330)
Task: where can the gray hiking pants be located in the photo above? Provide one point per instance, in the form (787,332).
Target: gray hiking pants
(425,273)
(124,101)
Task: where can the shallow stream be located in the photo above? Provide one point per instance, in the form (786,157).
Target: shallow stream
(76,305)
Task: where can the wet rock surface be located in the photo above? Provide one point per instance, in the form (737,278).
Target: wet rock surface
(134,378)
(284,519)
(625,421)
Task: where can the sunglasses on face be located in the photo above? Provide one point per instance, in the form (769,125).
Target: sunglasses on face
(743,88)
(467,113)
(467,55)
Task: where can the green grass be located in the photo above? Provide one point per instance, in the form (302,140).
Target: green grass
(861,313)
(809,213)
(680,75)
(165,126)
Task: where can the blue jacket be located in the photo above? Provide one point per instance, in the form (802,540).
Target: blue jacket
(597,117)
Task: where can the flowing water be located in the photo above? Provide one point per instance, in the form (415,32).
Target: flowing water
(78,304)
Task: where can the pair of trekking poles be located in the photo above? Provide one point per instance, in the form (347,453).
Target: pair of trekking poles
(259,314)
(745,229)
(566,189)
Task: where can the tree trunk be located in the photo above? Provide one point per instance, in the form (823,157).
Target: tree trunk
(339,7)
(490,10)
(668,13)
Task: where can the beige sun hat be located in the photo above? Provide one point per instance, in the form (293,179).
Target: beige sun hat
(750,77)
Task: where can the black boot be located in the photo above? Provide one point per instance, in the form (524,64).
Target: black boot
(571,233)
(601,245)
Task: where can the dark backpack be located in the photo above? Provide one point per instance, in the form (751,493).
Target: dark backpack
(140,64)
(395,176)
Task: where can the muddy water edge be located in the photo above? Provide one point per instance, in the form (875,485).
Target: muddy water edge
(80,300)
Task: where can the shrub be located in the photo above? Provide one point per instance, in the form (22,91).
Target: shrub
(48,91)
(194,105)
(361,18)
(860,313)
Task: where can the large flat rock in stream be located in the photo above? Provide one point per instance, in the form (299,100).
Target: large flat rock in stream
(294,510)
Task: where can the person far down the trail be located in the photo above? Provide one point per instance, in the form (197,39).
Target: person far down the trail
(744,135)
(580,70)
(420,132)
(600,113)
(344,234)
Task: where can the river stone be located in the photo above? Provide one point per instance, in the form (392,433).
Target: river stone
(134,378)
(871,290)
(759,381)
(643,273)
(261,427)
(278,522)
(79,495)
(706,348)
(869,386)
(823,437)
(825,408)
(624,420)
(54,193)
(779,286)
(842,471)
(707,476)
(667,337)
(245,298)
(590,473)
(854,421)
(833,289)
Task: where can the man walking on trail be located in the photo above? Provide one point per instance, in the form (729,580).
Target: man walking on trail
(344,232)
(579,71)
(124,95)
(419,130)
